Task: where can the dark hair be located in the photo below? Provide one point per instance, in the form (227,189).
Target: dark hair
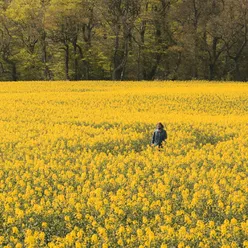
(160,124)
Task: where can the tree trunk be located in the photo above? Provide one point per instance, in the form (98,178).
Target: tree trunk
(195,55)
(158,56)
(120,55)
(14,76)
(67,62)
(195,52)
(211,71)
(81,56)
(237,71)
(141,47)
(87,35)
(116,75)
(47,74)
(14,72)
(120,62)
(75,59)
(153,71)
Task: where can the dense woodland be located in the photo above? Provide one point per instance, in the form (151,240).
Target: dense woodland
(123,39)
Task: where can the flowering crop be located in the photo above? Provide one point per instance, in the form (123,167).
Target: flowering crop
(77,170)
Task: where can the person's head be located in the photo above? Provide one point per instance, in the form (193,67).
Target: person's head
(160,126)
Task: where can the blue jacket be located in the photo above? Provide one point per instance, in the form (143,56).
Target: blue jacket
(158,137)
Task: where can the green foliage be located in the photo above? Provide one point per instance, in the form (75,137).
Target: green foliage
(123,40)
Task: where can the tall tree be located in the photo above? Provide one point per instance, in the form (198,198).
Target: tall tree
(63,22)
(27,20)
(120,16)
(8,45)
(235,34)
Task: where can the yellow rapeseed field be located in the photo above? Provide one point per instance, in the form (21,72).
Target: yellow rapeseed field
(77,170)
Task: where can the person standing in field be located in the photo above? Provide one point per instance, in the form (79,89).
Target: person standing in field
(159,135)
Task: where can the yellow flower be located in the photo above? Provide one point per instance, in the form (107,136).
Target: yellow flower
(1,239)
(212,234)
(145,220)
(234,221)
(120,242)
(211,224)
(67,218)
(78,245)
(139,233)
(245,243)
(181,245)
(44,224)
(15,230)
(94,238)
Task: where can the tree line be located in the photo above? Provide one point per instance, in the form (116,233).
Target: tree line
(123,39)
